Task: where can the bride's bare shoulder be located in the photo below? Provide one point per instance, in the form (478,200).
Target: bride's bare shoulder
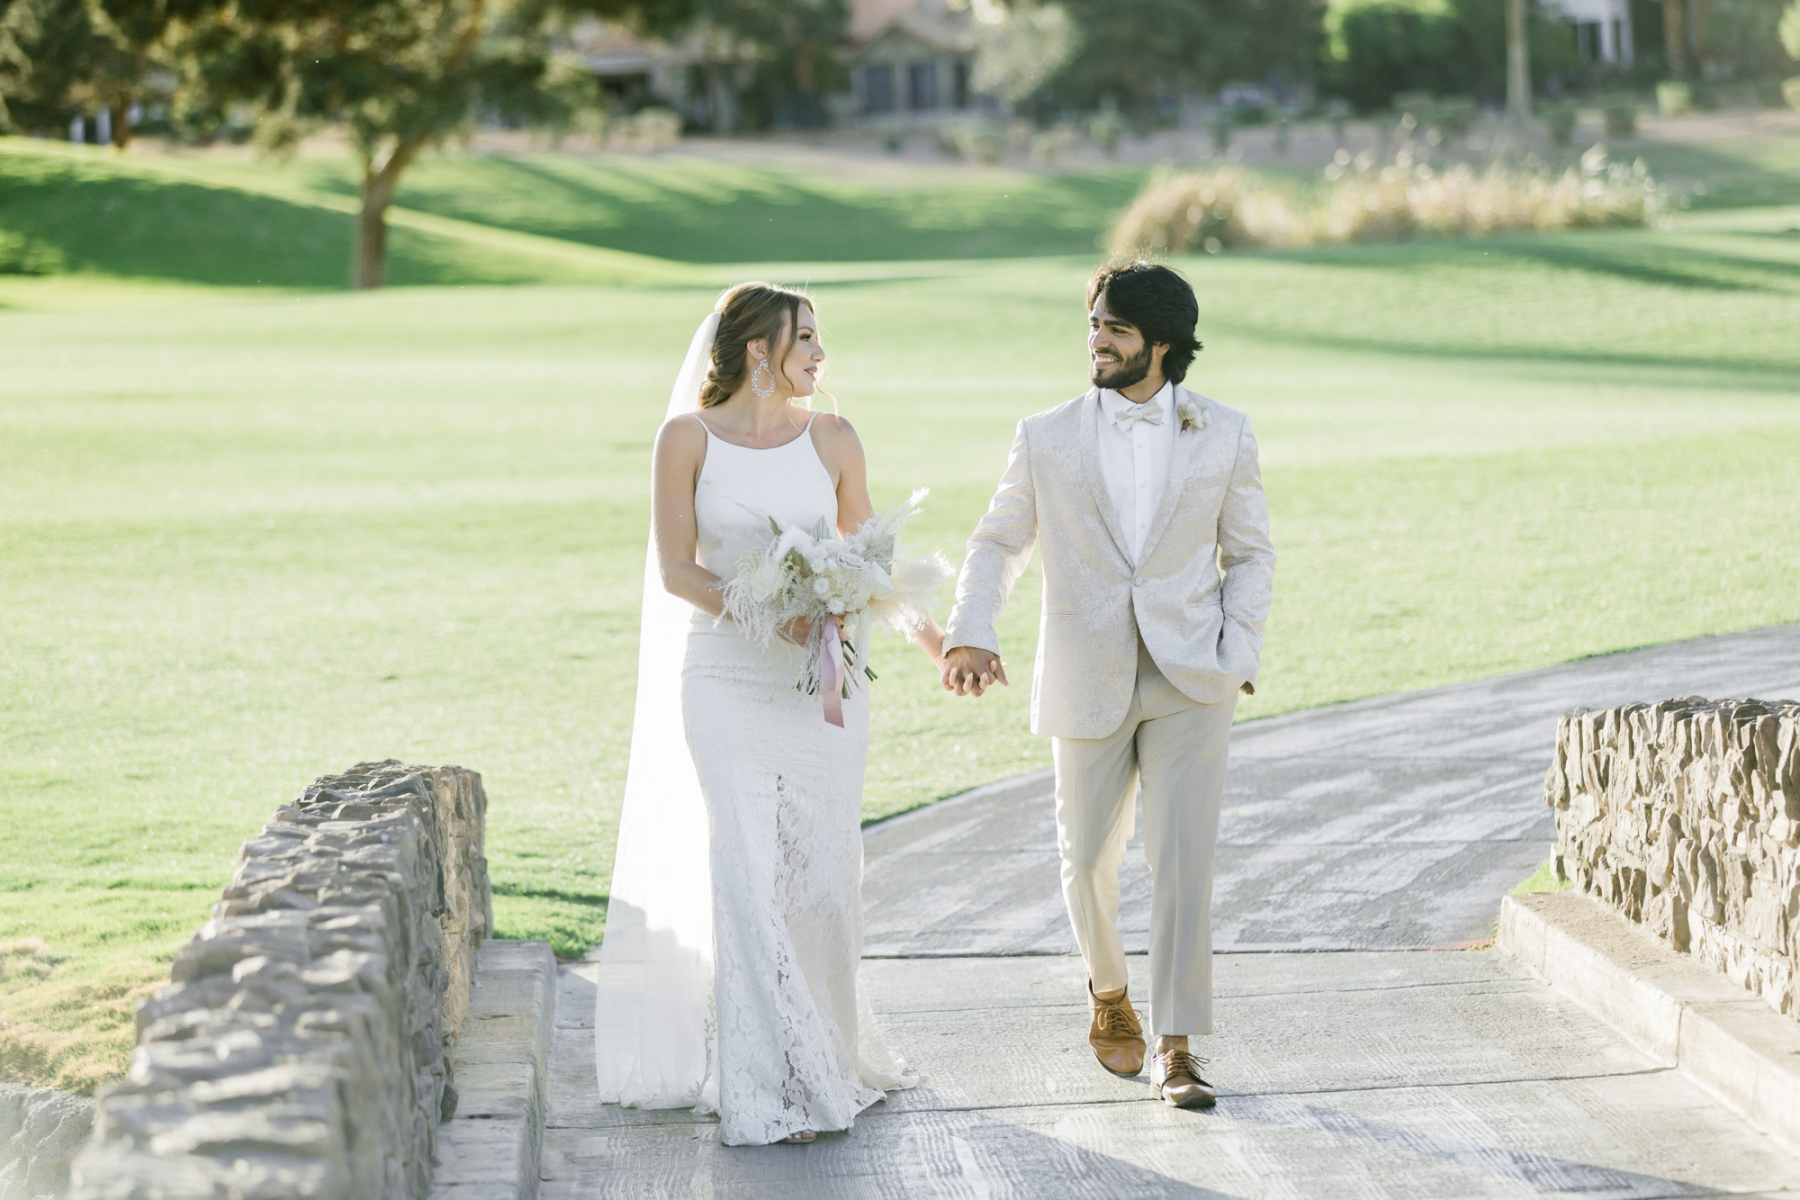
(836,441)
(681,439)
(835,427)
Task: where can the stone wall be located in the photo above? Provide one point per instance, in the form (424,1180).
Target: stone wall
(1685,816)
(301,1049)
(41,1131)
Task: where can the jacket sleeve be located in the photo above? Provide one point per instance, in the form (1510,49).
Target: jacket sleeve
(998,551)
(1246,554)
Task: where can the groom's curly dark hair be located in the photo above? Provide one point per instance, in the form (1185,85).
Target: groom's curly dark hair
(1158,301)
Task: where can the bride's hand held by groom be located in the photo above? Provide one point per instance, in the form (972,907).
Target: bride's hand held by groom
(970,671)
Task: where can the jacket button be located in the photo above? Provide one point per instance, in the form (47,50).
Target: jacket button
(1139,581)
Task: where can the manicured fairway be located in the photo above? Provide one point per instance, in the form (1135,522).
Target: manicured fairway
(249,537)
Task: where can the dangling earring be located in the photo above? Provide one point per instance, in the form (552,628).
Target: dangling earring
(765,392)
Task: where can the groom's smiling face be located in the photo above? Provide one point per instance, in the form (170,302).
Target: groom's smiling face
(1117,353)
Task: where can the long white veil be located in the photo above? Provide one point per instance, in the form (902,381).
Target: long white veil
(655,996)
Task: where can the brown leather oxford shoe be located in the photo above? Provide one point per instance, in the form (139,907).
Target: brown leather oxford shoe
(1176,1074)
(1115,1034)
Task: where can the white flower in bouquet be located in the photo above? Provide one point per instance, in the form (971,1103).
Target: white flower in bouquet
(813,576)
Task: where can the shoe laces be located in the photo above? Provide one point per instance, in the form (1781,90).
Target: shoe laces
(1116,1015)
(1180,1062)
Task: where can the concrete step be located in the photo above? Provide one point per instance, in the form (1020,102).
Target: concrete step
(1728,1041)
(489,1148)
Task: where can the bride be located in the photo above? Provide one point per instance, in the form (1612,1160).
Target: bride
(728,972)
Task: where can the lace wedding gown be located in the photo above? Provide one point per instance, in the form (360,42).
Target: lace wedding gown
(794,1043)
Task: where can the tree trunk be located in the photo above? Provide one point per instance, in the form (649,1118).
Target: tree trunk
(370,267)
(378,185)
(1518,63)
(1675,37)
(121,121)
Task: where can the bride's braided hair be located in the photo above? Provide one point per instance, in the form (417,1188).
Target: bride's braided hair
(747,312)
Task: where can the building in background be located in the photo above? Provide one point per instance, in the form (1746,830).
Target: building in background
(1602,29)
(910,61)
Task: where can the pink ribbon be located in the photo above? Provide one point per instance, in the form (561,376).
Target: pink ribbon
(831,672)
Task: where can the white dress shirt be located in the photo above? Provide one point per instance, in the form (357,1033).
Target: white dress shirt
(1135,454)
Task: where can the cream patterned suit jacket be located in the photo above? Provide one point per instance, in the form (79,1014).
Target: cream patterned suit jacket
(1199,597)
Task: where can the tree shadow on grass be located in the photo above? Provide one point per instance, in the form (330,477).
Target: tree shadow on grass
(522,892)
(104,219)
(1692,372)
(1629,255)
(750,215)
(1639,260)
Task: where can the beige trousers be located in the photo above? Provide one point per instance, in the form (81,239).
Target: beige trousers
(1174,749)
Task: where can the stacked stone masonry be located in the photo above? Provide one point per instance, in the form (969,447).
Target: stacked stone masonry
(302,1049)
(41,1130)
(1685,816)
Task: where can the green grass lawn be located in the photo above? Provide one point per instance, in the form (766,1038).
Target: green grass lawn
(249,535)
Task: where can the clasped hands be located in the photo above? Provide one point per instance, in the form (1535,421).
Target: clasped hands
(970,671)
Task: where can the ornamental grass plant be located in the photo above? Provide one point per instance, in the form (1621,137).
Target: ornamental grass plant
(1222,209)
(1356,201)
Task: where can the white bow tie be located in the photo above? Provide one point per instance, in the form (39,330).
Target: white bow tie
(1128,414)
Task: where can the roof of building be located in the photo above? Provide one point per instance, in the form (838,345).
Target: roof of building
(940,24)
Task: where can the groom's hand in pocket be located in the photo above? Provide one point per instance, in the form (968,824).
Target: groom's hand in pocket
(970,671)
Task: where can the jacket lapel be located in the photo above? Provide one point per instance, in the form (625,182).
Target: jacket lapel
(1088,439)
(1181,465)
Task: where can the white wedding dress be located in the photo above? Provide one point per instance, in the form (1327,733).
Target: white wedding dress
(783,789)
(727,980)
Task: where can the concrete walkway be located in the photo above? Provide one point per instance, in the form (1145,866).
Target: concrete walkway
(1376,829)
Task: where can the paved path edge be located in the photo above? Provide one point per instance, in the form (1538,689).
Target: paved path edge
(490,1146)
(1724,1038)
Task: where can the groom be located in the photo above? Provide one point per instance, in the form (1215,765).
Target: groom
(1158,572)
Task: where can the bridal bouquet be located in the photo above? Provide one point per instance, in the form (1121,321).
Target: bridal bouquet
(841,585)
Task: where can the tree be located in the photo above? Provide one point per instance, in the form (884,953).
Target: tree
(60,59)
(1379,48)
(1675,37)
(791,42)
(399,75)
(1518,63)
(1138,52)
(1018,50)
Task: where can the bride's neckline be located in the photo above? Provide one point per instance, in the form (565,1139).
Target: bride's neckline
(711,432)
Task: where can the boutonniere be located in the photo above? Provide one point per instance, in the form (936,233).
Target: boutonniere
(1192,415)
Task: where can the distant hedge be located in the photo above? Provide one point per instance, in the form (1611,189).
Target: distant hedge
(1377,48)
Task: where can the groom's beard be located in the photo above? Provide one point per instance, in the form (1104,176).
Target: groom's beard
(1127,372)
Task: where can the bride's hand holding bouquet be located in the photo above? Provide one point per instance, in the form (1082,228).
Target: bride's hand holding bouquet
(825,592)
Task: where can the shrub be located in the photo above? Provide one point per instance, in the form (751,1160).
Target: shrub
(1209,210)
(1105,128)
(1229,208)
(1455,116)
(21,255)
(975,141)
(648,130)
(1379,48)
(1559,118)
(1621,115)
